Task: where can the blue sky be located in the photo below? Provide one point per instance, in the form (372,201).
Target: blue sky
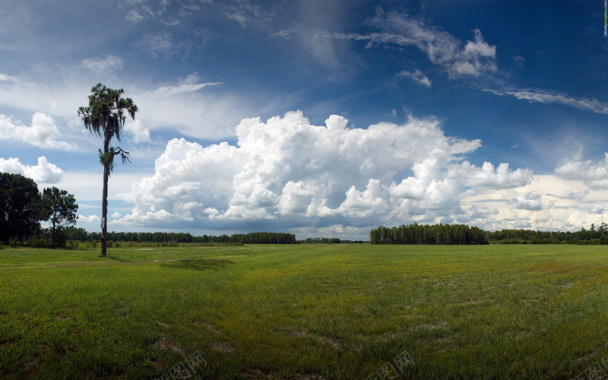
(320,118)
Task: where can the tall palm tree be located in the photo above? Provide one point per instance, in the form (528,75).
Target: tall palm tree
(105,116)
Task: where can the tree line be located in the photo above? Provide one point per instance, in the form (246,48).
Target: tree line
(323,240)
(593,235)
(80,234)
(462,234)
(22,208)
(428,234)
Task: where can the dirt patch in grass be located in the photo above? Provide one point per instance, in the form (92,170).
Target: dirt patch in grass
(31,365)
(212,329)
(431,326)
(222,347)
(267,375)
(164,344)
(321,339)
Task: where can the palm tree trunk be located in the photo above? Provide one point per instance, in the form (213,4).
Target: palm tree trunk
(104,212)
(104,199)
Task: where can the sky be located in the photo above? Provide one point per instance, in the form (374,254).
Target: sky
(315,117)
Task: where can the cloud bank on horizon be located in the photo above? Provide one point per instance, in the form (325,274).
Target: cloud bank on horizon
(424,113)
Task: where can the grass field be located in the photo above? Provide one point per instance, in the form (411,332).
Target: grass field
(305,312)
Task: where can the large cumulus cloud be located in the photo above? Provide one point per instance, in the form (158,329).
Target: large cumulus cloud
(289,173)
(43,132)
(594,175)
(43,173)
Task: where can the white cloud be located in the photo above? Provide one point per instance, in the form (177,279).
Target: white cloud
(373,201)
(417,76)
(547,203)
(171,22)
(550,97)
(86,185)
(137,130)
(334,231)
(530,201)
(475,58)
(100,65)
(201,110)
(284,34)
(192,4)
(479,48)
(8,78)
(488,177)
(578,195)
(44,172)
(288,174)
(190,108)
(242,12)
(43,132)
(160,45)
(89,219)
(291,173)
(189,84)
(134,16)
(593,175)
(597,209)
(185,173)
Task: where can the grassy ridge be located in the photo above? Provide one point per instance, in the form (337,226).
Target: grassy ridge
(296,311)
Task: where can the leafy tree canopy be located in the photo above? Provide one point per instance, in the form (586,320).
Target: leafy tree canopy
(59,208)
(19,207)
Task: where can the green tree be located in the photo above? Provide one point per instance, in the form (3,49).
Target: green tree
(105,116)
(59,208)
(19,207)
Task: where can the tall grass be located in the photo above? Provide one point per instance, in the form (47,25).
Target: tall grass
(305,312)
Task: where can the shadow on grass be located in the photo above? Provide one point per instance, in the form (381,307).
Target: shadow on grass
(198,264)
(117,258)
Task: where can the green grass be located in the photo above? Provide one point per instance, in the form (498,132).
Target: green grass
(305,311)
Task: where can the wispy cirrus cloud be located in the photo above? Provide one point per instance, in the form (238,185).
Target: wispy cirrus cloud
(536,95)
(8,78)
(189,107)
(134,16)
(189,84)
(474,58)
(100,65)
(159,45)
(242,11)
(417,76)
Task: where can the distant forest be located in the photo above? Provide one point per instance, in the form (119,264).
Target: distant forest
(427,234)
(594,235)
(439,234)
(461,234)
(80,234)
